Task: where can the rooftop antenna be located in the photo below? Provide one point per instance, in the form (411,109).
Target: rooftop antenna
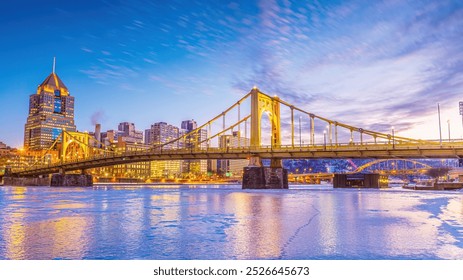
(54,64)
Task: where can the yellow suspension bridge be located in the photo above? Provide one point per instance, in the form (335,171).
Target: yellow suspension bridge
(324,138)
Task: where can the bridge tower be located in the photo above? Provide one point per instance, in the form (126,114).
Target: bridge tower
(256,176)
(74,146)
(76,141)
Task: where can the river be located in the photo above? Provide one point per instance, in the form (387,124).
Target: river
(225,222)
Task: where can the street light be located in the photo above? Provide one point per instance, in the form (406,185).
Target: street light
(393,142)
(324,139)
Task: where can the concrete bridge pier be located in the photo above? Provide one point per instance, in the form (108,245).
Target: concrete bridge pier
(25,181)
(7,171)
(71,180)
(55,180)
(261,177)
(60,179)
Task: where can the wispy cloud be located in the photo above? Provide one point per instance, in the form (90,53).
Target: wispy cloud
(108,72)
(87,50)
(372,66)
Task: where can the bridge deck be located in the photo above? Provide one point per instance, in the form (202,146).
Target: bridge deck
(448,150)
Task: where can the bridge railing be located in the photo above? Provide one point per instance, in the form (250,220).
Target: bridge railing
(352,146)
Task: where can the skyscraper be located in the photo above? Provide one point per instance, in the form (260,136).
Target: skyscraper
(161,133)
(189,125)
(51,110)
(197,139)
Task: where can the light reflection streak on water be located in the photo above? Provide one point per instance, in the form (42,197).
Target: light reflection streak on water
(328,231)
(28,238)
(179,222)
(257,233)
(15,235)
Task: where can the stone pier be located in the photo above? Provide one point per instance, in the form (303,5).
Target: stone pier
(257,177)
(71,180)
(55,180)
(26,181)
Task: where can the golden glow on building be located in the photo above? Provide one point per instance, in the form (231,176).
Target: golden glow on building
(51,110)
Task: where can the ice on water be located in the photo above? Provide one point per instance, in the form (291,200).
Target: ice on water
(225,222)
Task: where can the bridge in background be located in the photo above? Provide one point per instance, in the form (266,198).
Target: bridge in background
(323,139)
(394,167)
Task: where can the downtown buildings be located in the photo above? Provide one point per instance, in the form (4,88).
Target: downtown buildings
(159,135)
(163,134)
(125,139)
(51,111)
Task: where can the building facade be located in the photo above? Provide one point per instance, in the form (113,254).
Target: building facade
(3,145)
(159,134)
(195,140)
(131,172)
(162,133)
(125,139)
(137,170)
(228,167)
(51,110)
(128,133)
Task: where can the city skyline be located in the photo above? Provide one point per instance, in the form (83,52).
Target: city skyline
(375,66)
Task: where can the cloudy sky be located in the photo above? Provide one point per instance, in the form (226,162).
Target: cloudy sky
(371,64)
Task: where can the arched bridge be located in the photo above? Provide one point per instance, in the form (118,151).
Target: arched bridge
(393,166)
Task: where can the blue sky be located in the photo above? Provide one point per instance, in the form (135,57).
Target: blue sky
(372,64)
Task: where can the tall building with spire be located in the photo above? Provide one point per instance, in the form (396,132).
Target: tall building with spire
(51,110)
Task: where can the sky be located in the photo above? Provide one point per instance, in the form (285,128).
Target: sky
(370,64)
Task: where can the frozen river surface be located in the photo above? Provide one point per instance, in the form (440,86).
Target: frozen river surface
(225,222)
